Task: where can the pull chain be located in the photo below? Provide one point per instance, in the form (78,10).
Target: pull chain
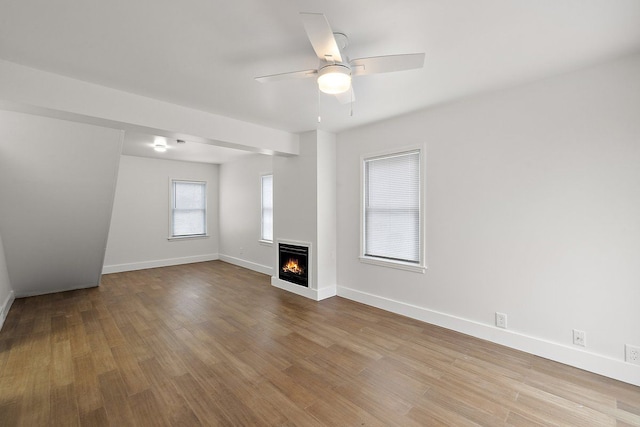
(351,105)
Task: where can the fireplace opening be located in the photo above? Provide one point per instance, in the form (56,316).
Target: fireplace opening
(293,262)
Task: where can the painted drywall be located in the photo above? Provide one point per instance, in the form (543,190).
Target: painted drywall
(57,180)
(240,213)
(326,216)
(138,237)
(30,90)
(295,193)
(304,196)
(295,200)
(533,210)
(6,291)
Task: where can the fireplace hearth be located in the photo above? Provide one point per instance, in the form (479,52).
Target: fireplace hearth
(294,264)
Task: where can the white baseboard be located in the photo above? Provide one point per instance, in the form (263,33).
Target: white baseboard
(599,364)
(53,291)
(4,308)
(264,269)
(314,294)
(118,268)
(328,292)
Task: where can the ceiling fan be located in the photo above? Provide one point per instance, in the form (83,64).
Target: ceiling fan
(335,70)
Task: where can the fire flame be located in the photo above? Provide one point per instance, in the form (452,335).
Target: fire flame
(292,267)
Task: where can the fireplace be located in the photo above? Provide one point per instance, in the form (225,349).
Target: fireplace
(294,264)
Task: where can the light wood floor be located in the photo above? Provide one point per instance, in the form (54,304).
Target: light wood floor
(211,343)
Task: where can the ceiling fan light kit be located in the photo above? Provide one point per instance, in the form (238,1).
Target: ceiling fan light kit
(334,79)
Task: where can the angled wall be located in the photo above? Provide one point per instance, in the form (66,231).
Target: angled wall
(57,181)
(6,291)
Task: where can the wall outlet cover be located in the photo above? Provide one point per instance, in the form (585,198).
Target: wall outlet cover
(632,354)
(501,320)
(579,338)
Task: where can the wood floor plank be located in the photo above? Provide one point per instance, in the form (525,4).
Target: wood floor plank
(339,411)
(147,410)
(10,411)
(295,415)
(174,405)
(386,407)
(130,372)
(64,409)
(61,363)
(36,405)
(207,411)
(114,395)
(78,340)
(214,344)
(86,384)
(96,418)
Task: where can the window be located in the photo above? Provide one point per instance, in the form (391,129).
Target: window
(188,208)
(266,232)
(392,210)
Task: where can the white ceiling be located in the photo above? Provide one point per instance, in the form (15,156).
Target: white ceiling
(141,145)
(205,54)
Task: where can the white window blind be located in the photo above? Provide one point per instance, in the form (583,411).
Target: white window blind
(392,207)
(188,208)
(267,208)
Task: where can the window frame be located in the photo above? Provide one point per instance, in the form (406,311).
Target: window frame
(173,236)
(262,239)
(421,266)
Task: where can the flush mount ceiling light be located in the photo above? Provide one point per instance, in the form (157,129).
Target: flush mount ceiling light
(334,79)
(160,145)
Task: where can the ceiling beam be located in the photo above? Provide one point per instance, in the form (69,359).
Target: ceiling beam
(38,92)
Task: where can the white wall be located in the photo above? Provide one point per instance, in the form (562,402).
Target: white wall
(326,215)
(140,220)
(240,213)
(304,198)
(57,180)
(6,291)
(533,210)
(295,193)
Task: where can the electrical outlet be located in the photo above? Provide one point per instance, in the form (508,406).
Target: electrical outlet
(632,354)
(501,320)
(241,250)
(579,338)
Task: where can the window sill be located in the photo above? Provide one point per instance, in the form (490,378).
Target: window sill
(266,242)
(394,264)
(199,236)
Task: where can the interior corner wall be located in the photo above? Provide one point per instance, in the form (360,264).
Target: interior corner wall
(304,200)
(6,291)
(138,237)
(295,200)
(240,213)
(533,210)
(326,216)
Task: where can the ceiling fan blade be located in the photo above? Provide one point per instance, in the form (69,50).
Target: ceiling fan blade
(385,64)
(321,36)
(287,76)
(346,97)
